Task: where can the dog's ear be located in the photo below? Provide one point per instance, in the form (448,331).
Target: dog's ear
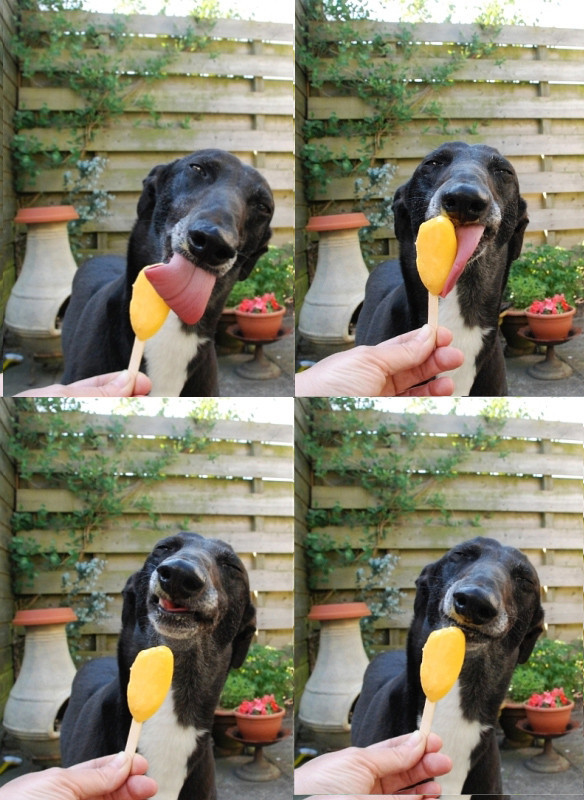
(129,602)
(422,591)
(402,222)
(147,200)
(243,638)
(248,262)
(516,241)
(531,636)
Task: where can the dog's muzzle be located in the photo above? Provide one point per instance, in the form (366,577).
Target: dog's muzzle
(182,595)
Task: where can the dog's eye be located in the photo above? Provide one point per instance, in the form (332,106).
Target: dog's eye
(263,208)
(199,170)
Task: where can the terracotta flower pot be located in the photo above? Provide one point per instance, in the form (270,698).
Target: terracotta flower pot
(550,327)
(549,720)
(259,727)
(260,327)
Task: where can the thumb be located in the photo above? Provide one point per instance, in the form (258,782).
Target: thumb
(103,778)
(408,350)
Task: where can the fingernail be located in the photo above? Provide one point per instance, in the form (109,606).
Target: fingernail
(414,740)
(119,760)
(121,380)
(423,333)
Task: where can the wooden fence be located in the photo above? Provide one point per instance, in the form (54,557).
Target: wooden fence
(239,488)
(526,492)
(235,94)
(7,491)
(9,82)
(525,98)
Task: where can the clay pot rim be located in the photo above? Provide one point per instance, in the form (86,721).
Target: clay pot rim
(330,611)
(38,214)
(532,314)
(338,222)
(570,706)
(279,713)
(44,616)
(261,315)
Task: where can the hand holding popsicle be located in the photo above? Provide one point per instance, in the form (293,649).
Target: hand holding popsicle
(150,680)
(435,253)
(148,311)
(442,660)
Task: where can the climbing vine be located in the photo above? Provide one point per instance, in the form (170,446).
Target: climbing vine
(392,462)
(93,463)
(107,75)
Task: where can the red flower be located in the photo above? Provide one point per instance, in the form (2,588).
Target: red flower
(550,699)
(260,305)
(551,305)
(259,705)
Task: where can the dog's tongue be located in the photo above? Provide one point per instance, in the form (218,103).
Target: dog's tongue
(168,605)
(183,286)
(467,237)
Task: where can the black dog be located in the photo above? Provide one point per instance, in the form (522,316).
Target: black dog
(478,189)
(208,211)
(492,593)
(192,594)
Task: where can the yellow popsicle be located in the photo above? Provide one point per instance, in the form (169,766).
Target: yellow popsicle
(147,308)
(435,252)
(148,312)
(442,660)
(150,680)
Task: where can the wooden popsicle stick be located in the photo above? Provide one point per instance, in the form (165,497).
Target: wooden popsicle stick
(433,310)
(133,736)
(136,357)
(427,717)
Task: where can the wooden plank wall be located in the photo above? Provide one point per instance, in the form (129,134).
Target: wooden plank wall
(236,94)
(302,490)
(526,493)
(7,493)
(526,99)
(239,489)
(301,94)
(9,79)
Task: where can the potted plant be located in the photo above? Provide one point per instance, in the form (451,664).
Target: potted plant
(550,319)
(552,663)
(266,670)
(549,712)
(259,318)
(539,272)
(260,719)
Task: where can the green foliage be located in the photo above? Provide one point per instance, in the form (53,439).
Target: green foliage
(52,449)
(266,670)
(393,463)
(552,664)
(544,271)
(274,272)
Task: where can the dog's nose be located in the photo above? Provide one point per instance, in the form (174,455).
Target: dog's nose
(474,605)
(465,202)
(208,245)
(179,578)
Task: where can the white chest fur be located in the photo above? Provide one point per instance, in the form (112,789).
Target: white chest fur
(168,354)
(469,340)
(167,747)
(459,737)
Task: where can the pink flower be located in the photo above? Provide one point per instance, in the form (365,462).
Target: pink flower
(551,699)
(551,305)
(260,305)
(259,705)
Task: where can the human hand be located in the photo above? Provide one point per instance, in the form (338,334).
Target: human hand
(404,764)
(114,384)
(116,777)
(390,369)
